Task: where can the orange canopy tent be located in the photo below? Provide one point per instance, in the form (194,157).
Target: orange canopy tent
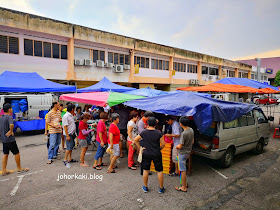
(219,87)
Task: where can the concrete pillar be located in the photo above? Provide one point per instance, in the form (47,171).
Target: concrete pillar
(70,51)
(132,67)
(199,71)
(170,69)
(220,72)
(236,73)
(249,74)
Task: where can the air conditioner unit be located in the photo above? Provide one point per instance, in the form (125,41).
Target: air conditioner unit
(88,62)
(79,62)
(118,69)
(197,81)
(100,63)
(109,65)
(126,67)
(210,77)
(192,81)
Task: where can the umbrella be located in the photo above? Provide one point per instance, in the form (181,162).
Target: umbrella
(99,98)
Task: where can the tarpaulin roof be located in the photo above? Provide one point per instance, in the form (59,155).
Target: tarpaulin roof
(105,85)
(30,82)
(99,98)
(148,92)
(204,110)
(219,87)
(200,94)
(246,82)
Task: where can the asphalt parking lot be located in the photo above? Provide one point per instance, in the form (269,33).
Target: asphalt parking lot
(252,182)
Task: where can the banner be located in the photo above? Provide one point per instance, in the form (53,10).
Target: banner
(137,69)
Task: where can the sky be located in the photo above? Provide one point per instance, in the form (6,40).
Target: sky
(231,29)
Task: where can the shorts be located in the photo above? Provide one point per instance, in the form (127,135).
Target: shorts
(174,154)
(116,148)
(11,146)
(182,162)
(83,143)
(147,159)
(69,144)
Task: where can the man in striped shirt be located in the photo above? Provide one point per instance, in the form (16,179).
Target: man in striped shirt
(55,130)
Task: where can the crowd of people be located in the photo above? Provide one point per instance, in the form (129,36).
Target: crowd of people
(141,132)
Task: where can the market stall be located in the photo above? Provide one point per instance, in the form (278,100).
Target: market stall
(147,92)
(20,83)
(105,85)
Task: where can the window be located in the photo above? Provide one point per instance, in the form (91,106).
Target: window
(9,44)
(98,55)
(232,124)
(55,50)
(28,47)
(3,44)
(265,78)
(163,65)
(245,75)
(160,64)
(239,74)
(250,118)
(231,74)
(118,59)
(147,63)
(192,68)
(260,116)
(204,70)
(153,64)
(64,51)
(242,121)
(262,77)
(213,71)
(252,76)
(167,65)
(13,45)
(38,49)
(110,57)
(143,62)
(47,50)
(181,67)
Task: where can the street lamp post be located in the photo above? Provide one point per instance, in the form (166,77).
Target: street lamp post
(258,69)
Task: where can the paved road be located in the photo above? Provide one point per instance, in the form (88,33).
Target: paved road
(251,183)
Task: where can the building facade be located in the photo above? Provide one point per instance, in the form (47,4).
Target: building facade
(74,54)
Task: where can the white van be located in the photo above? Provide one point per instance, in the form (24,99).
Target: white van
(249,132)
(35,102)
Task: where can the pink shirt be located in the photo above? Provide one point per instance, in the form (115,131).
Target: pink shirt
(101,127)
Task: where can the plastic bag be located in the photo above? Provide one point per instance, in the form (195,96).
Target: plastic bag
(139,159)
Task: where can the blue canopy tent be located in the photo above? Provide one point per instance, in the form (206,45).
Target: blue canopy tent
(204,110)
(148,92)
(103,86)
(200,94)
(30,82)
(245,82)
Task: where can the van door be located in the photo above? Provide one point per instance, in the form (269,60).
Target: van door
(247,135)
(228,134)
(262,124)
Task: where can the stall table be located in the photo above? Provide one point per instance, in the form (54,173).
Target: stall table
(30,125)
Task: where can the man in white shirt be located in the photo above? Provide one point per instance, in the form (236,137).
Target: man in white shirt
(69,132)
(176,132)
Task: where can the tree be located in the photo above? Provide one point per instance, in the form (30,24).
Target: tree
(277,79)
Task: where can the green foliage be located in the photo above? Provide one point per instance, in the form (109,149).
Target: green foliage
(277,79)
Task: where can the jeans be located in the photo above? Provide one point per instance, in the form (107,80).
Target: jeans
(55,140)
(100,151)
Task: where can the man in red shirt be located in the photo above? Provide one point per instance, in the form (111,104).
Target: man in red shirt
(114,139)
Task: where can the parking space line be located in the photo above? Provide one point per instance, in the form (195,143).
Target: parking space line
(13,193)
(222,175)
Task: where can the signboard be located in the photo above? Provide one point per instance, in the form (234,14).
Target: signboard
(137,69)
(173,72)
(224,73)
(269,71)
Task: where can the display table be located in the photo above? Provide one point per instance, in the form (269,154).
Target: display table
(30,125)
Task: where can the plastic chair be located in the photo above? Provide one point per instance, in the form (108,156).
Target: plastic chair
(274,134)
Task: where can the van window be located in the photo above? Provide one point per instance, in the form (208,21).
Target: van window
(260,116)
(242,121)
(250,118)
(232,124)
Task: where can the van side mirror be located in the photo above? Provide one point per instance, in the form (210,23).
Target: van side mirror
(270,118)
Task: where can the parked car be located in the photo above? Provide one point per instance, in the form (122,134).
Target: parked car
(249,132)
(266,100)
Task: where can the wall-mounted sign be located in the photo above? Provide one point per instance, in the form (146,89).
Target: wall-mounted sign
(269,71)
(173,72)
(137,69)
